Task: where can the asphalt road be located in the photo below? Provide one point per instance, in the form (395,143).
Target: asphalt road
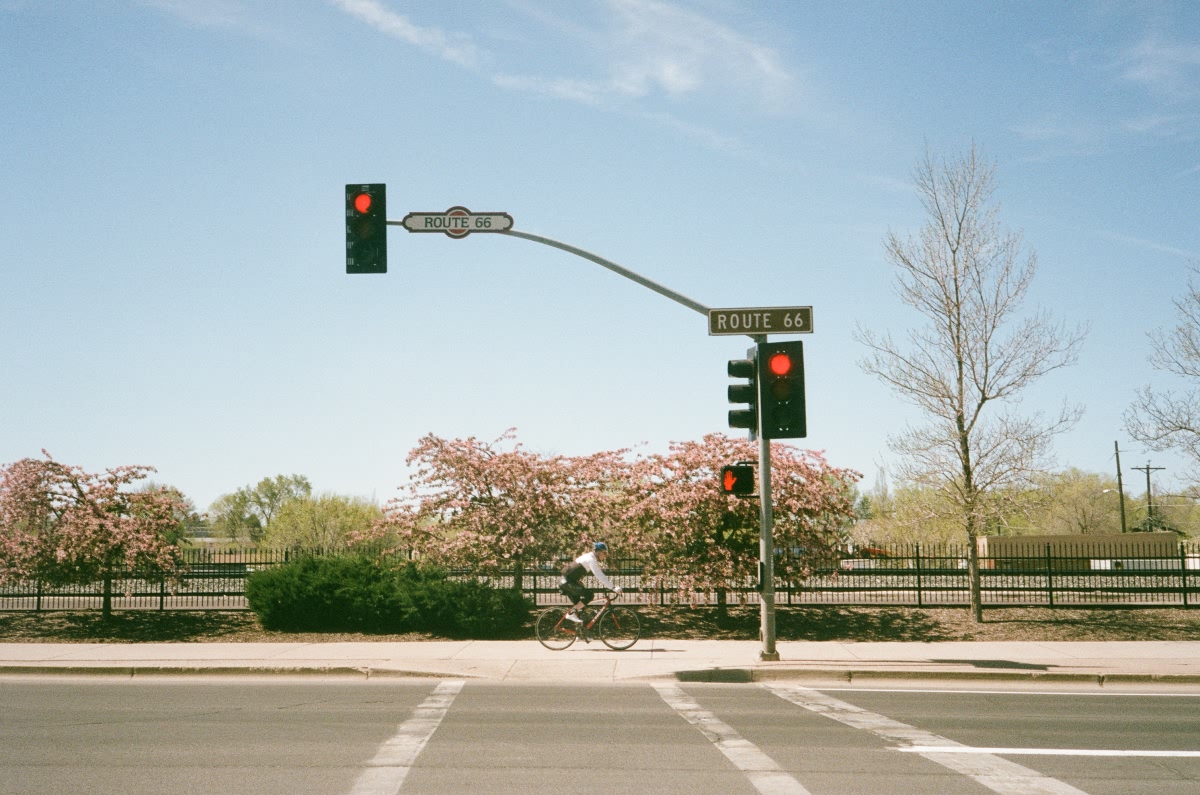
(260,737)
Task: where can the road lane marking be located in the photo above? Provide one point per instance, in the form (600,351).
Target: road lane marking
(1093,693)
(997,774)
(967,749)
(386,772)
(764,772)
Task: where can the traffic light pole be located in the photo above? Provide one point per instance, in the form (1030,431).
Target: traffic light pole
(766,548)
(614,267)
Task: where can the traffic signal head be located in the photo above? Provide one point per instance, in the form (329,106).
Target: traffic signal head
(781,390)
(737,479)
(366,229)
(744,393)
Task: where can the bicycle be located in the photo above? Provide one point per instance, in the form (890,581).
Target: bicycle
(618,627)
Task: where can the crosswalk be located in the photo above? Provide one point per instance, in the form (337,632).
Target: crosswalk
(772,739)
(410,736)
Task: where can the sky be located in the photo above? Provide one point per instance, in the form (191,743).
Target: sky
(172,274)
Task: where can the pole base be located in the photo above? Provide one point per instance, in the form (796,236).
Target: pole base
(768,656)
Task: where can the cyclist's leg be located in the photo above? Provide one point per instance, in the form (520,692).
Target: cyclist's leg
(576,593)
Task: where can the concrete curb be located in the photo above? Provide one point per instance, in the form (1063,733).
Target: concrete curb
(733,675)
(215,670)
(720,675)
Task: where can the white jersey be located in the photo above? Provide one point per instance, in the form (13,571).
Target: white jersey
(588,561)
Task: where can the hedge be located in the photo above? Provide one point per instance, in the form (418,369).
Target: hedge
(369,595)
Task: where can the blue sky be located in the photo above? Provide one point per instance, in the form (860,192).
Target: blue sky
(172,277)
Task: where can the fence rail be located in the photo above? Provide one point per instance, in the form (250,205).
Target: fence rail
(908,576)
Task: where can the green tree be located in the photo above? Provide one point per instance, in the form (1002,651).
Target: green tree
(245,515)
(271,494)
(230,517)
(323,523)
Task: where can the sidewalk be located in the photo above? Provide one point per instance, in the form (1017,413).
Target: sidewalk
(1176,662)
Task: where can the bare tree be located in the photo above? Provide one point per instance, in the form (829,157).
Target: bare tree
(966,275)
(1167,420)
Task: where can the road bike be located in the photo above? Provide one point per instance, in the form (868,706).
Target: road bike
(618,627)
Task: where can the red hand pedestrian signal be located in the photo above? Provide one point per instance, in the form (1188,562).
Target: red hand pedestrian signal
(737,479)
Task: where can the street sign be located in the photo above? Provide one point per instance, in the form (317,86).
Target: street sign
(761,320)
(457,222)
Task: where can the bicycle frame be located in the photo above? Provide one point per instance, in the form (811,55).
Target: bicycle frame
(609,598)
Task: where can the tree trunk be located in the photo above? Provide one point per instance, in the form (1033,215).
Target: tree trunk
(973,572)
(722,604)
(106,602)
(518,573)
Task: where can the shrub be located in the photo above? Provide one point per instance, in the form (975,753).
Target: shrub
(331,594)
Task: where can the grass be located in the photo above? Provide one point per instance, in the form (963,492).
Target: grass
(741,623)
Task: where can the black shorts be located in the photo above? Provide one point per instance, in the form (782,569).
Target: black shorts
(576,592)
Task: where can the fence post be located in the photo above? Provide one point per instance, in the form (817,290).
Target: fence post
(919,602)
(1183,573)
(1049,577)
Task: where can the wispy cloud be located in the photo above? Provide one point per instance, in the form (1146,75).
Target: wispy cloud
(456,48)
(662,48)
(647,58)
(1178,126)
(1060,138)
(1148,244)
(1168,67)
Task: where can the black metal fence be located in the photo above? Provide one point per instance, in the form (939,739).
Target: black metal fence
(1099,575)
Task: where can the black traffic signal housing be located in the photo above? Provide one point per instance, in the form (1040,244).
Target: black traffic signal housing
(366,228)
(744,393)
(737,479)
(781,390)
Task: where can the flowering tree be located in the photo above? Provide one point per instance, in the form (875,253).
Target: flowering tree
(687,531)
(486,505)
(63,525)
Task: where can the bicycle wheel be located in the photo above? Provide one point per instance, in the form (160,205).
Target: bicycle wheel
(553,630)
(620,628)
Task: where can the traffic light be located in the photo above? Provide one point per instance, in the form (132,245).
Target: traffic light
(366,229)
(744,393)
(781,390)
(737,479)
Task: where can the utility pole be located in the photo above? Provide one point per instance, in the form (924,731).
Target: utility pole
(1120,487)
(1149,500)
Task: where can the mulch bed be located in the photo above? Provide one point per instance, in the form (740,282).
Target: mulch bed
(682,623)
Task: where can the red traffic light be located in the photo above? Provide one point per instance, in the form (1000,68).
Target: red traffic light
(780,364)
(362,202)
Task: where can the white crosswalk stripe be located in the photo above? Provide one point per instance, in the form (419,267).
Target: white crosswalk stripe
(998,775)
(386,772)
(763,772)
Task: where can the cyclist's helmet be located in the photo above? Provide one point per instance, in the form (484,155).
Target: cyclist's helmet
(600,546)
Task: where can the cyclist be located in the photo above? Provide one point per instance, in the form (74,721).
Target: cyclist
(573,573)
